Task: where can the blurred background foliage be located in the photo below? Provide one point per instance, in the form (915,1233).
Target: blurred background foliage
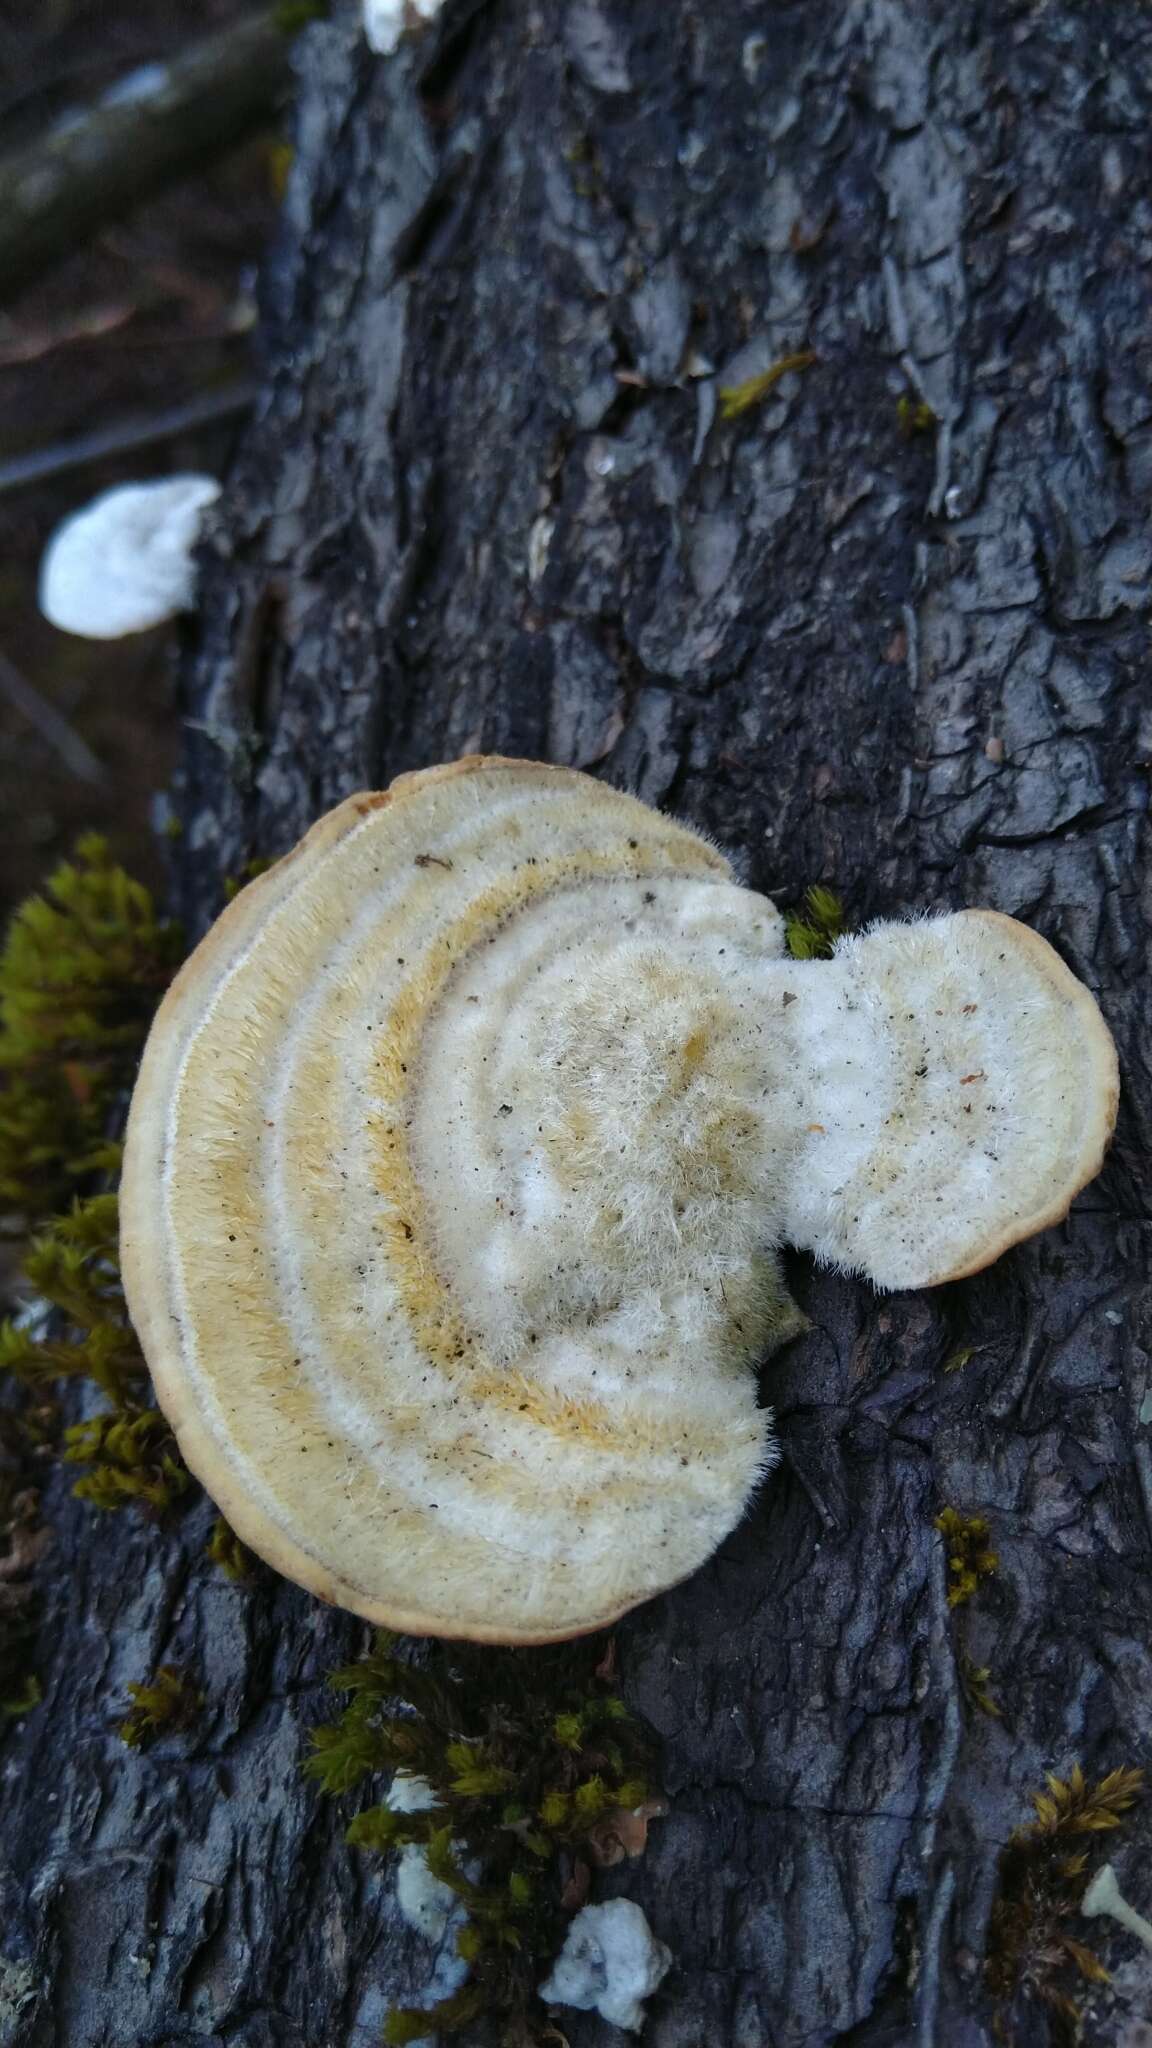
(155,312)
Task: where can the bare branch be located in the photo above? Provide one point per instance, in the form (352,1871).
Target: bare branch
(125,436)
(74,752)
(150,129)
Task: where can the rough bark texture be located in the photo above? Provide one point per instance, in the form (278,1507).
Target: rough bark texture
(488,502)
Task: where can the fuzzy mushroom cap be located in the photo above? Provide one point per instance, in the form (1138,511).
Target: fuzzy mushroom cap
(125,561)
(964,1089)
(457,1161)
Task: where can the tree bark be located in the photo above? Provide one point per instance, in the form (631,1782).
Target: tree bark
(488,502)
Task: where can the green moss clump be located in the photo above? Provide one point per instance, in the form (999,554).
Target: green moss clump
(811,934)
(970,1562)
(128,1447)
(534,1762)
(171,1704)
(82,969)
(915,416)
(969,1557)
(225,1549)
(132,1460)
(1031,1952)
(73,1266)
(29,1695)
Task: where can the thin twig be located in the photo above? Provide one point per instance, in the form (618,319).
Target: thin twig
(31,346)
(166,118)
(125,437)
(75,753)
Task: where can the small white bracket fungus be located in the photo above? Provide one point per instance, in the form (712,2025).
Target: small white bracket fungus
(386,20)
(458,1161)
(1104,1896)
(611,1962)
(125,562)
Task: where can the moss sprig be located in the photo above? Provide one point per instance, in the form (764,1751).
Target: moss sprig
(536,1766)
(811,933)
(226,1551)
(1032,1952)
(976,1681)
(915,416)
(970,1561)
(132,1460)
(169,1705)
(128,1448)
(73,1265)
(970,1557)
(293,15)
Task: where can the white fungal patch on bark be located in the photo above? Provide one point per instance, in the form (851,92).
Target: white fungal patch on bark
(610,1962)
(409,1793)
(459,1163)
(428,1905)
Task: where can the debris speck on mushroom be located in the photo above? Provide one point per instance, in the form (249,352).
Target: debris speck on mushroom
(461,1156)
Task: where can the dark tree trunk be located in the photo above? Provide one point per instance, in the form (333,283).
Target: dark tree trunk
(488,502)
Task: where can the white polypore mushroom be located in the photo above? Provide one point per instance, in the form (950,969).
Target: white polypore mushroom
(611,1962)
(1104,1896)
(459,1156)
(125,562)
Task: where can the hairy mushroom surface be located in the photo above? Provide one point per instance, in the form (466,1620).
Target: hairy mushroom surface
(458,1159)
(125,562)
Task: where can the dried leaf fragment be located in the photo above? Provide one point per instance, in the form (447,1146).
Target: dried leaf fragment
(736,399)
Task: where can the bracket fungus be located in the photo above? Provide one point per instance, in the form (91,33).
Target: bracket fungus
(460,1154)
(125,562)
